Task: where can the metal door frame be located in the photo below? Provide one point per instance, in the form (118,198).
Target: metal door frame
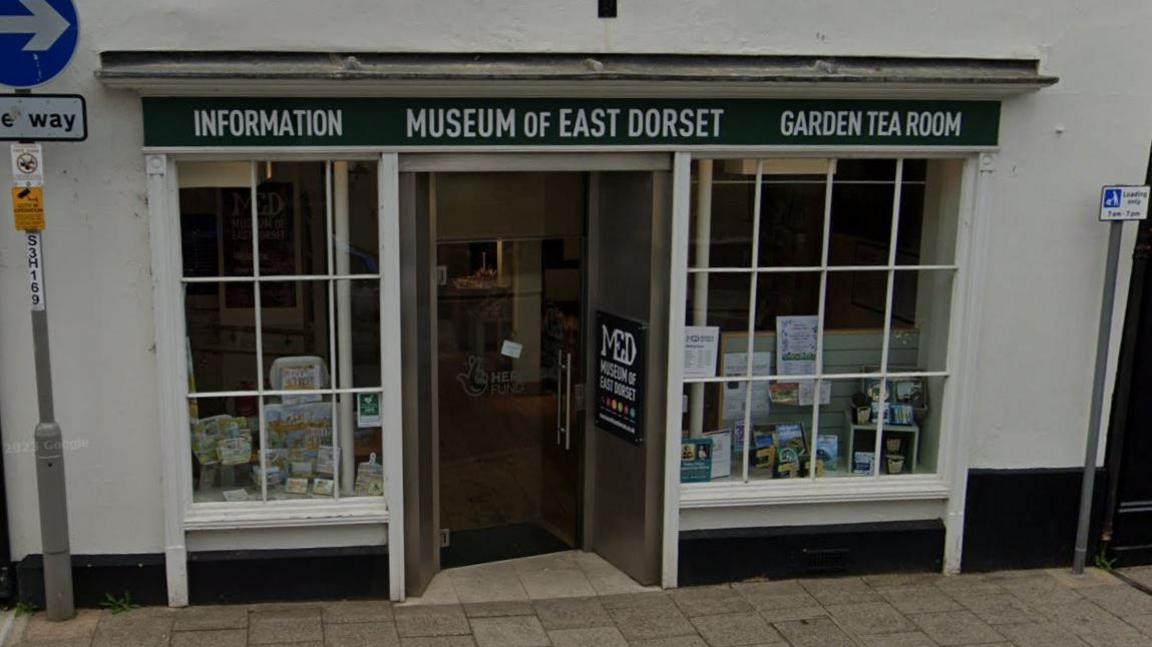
(418,298)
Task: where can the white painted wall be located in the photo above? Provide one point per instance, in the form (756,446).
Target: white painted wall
(1045,260)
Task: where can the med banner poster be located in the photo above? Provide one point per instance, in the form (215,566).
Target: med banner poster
(620,368)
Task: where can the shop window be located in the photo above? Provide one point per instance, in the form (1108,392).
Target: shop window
(824,287)
(281,284)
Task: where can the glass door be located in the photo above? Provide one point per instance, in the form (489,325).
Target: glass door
(509,285)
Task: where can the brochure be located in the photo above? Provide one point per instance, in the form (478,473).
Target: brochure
(696,460)
(721,452)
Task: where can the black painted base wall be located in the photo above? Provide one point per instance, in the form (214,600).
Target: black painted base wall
(715,556)
(230,577)
(223,577)
(1025,518)
(94,576)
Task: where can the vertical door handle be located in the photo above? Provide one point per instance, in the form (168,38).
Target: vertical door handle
(559,392)
(568,402)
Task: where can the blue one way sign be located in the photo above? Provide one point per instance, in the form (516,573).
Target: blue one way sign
(37,39)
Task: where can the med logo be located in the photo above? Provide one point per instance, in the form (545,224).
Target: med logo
(37,40)
(620,343)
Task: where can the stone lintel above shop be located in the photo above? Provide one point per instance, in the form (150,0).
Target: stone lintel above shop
(412,74)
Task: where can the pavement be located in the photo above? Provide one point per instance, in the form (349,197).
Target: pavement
(1048,608)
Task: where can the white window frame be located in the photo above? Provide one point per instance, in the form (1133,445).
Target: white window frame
(948,484)
(182,514)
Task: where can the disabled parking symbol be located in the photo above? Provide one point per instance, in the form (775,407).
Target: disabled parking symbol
(1113,198)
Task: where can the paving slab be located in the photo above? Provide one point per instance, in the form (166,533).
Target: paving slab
(356,634)
(572,613)
(82,627)
(497,609)
(211,638)
(906,639)
(438,641)
(1047,634)
(999,608)
(146,627)
(731,629)
(1123,601)
(814,632)
(431,620)
(956,628)
(222,616)
(841,590)
(510,631)
(647,622)
(918,598)
(709,600)
(271,628)
(870,618)
(784,594)
(357,611)
(588,637)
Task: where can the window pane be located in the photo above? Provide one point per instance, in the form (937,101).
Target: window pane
(862,194)
(854,321)
(780,445)
(225,439)
(291,217)
(845,443)
(929,211)
(792,216)
(355,241)
(366,464)
(712,448)
(294,317)
(921,303)
(215,218)
(720,229)
(912,440)
(780,297)
(221,336)
(302,458)
(718,299)
(357,312)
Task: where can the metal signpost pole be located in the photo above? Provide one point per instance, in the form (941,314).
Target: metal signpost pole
(49,452)
(1103,338)
(1118,204)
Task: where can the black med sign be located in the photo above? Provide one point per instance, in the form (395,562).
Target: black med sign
(620,373)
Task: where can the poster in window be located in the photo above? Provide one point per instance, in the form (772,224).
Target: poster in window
(276,226)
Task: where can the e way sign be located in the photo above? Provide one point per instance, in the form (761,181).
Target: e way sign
(43,117)
(37,40)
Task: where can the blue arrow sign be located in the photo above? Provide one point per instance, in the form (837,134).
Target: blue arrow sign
(37,40)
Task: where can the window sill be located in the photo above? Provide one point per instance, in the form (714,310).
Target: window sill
(739,494)
(285,514)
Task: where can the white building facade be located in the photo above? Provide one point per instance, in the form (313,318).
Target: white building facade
(715,290)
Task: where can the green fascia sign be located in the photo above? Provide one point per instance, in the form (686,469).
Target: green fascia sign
(232,121)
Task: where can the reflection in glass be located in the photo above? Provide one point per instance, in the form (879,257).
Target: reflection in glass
(220,324)
(854,321)
(920,320)
(720,229)
(718,299)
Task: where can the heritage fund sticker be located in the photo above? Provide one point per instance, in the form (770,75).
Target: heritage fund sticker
(236,495)
(296,486)
(368,410)
(511,349)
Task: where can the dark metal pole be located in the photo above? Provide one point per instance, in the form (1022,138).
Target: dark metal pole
(1103,335)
